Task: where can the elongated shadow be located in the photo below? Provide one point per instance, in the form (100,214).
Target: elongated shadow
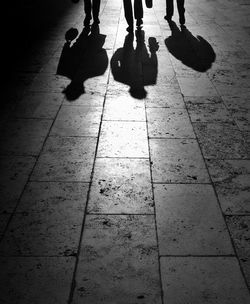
(136,67)
(85,58)
(194,52)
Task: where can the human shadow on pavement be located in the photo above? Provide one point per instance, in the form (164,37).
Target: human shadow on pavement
(85,58)
(194,52)
(136,67)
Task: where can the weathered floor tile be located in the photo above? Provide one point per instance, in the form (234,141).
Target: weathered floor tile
(242,118)
(220,140)
(169,123)
(123,139)
(177,160)
(201,86)
(245,265)
(77,121)
(237,102)
(203,280)
(123,108)
(48,220)
(45,82)
(36,280)
(239,227)
(171,100)
(90,100)
(231,180)
(118,262)
(66,159)
(15,171)
(189,221)
(209,113)
(191,101)
(121,186)
(24,136)
(4,218)
(38,105)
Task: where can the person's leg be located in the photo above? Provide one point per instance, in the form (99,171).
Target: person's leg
(128,12)
(181,11)
(87,10)
(138,12)
(96,9)
(169,9)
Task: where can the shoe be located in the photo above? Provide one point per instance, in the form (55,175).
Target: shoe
(130,29)
(168,18)
(182,19)
(139,22)
(97,20)
(86,21)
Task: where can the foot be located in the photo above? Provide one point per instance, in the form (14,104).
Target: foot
(130,29)
(168,18)
(139,22)
(97,20)
(182,19)
(86,21)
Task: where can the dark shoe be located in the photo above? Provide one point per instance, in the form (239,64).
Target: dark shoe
(97,20)
(86,21)
(130,29)
(168,18)
(139,22)
(182,19)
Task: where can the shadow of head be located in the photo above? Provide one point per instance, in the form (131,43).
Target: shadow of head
(194,52)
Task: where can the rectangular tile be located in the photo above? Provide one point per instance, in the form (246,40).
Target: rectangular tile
(36,279)
(177,160)
(203,280)
(66,159)
(123,139)
(189,221)
(121,186)
(122,266)
(48,221)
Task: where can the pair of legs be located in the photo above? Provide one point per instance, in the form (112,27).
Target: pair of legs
(138,13)
(91,8)
(170,10)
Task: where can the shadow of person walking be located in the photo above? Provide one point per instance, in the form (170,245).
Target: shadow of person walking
(85,58)
(194,52)
(136,67)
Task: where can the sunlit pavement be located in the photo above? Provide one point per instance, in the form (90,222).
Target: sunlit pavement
(125,162)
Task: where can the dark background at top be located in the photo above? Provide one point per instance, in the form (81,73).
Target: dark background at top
(24,23)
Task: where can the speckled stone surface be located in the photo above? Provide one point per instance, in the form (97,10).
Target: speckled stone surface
(122,249)
(203,280)
(124,158)
(121,186)
(36,280)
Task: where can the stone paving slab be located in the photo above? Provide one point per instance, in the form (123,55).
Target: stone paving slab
(177,161)
(189,221)
(48,221)
(65,159)
(118,261)
(231,181)
(24,136)
(121,186)
(36,280)
(77,121)
(203,280)
(15,171)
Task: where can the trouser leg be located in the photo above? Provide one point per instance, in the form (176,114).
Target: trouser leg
(128,12)
(170,7)
(138,9)
(87,8)
(96,8)
(180,6)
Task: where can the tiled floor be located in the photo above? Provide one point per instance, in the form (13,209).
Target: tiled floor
(125,162)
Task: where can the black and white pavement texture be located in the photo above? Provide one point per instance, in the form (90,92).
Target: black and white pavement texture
(125,160)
